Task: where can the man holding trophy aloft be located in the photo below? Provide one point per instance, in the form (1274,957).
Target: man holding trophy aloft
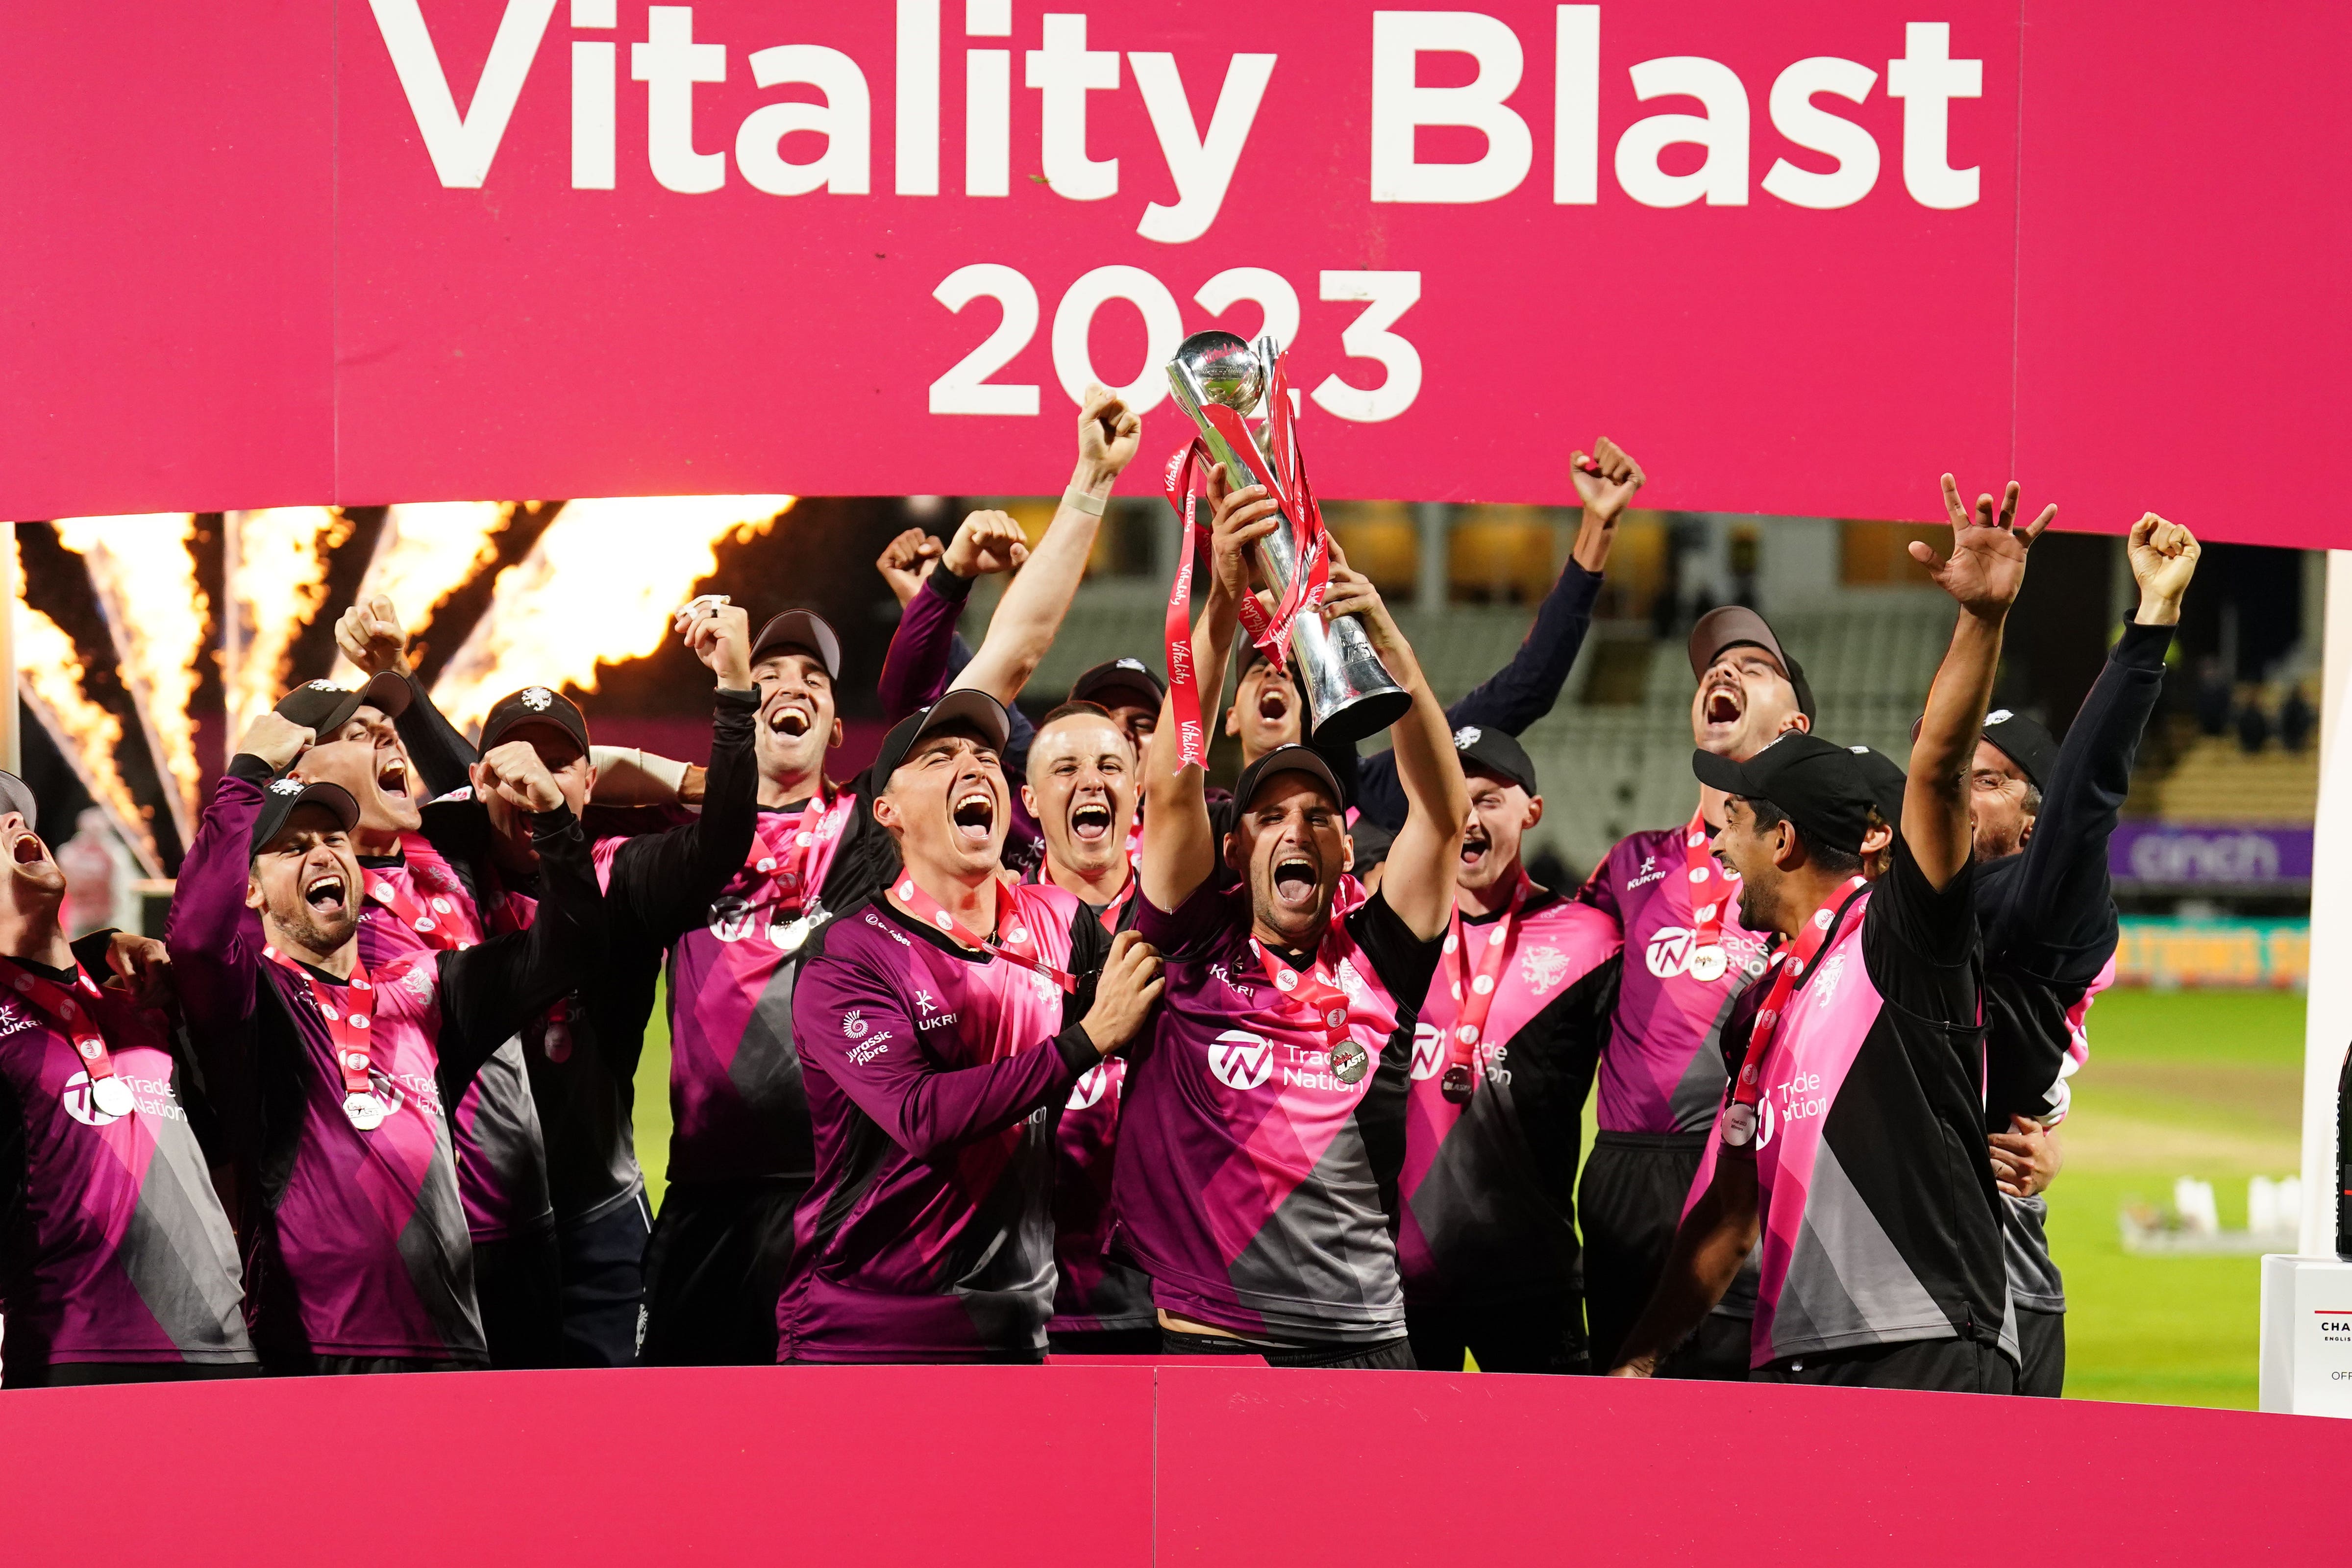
(1263,1127)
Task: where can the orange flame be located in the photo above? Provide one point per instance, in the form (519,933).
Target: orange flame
(49,676)
(146,582)
(428,552)
(598,588)
(276,581)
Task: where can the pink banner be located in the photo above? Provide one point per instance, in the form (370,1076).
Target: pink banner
(1800,260)
(1113,1465)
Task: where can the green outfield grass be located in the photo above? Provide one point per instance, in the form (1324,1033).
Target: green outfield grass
(2203,1084)
(2180,1084)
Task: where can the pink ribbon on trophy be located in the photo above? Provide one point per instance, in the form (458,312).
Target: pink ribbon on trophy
(1186,481)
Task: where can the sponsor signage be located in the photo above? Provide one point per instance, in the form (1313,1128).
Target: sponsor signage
(397,250)
(2230,855)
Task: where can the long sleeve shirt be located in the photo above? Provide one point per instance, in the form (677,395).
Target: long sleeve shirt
(356,1239)
(2048,912)
(1510,699)
(658,887)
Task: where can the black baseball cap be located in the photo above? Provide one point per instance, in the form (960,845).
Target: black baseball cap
(280,797)
(1495,752)
(1824,788)
(534,705)
(1128,677)
(801,628)
(1291,759)
(1735,625)
(16,795)
(2020,739)
(1887,781)
(965,705)
(322,705)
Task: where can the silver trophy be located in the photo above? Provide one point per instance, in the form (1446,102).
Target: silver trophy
(1350,694)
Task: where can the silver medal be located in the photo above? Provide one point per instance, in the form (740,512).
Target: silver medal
(788,936)
(365,1110)
(112,1096)
(1349,1061)
(1739,1124)
(1706,965)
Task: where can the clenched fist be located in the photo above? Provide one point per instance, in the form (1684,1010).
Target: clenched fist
(513,772)
(2163,559)
(1127,991)
(371,635)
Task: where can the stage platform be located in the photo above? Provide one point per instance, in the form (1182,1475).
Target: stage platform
(1109,1464)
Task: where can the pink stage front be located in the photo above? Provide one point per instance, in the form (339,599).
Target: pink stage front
(1136,1464)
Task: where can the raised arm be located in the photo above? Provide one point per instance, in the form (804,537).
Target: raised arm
(1032,609)
(373,637)
(1516,696)
(1418,879)
(920,659)
(2062,909)
(210,935)
(666,880)
(1983,574)
(1180,846)
(490,991)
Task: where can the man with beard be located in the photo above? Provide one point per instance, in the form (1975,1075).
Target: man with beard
(1502,1062)
(740,1154)
(1852,1139)
(1270,709)
(1261,1137)
(331,1078)
(415,901)
(939,1024)
(2043,814)
(582,1054)
(117,1264)
(1687,955)
(1081,792)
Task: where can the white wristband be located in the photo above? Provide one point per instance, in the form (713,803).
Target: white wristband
(1081,501)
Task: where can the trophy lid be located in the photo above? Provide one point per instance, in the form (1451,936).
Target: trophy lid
(1226,369)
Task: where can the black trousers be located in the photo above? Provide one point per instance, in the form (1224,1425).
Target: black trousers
(371,1365)
(2042,1337)
(93,1373)
(1542,1334)
(714,1269)
(1396,1355)
(1103,1341)
(516,1281)
(601,1264)
(1949,1366)
(1629,1202)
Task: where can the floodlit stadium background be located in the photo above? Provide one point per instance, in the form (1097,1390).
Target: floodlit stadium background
(144,643)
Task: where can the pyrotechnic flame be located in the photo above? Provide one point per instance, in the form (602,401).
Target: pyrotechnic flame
(277,580)
(598,588)
(49,676)
(426,552)
(146,582)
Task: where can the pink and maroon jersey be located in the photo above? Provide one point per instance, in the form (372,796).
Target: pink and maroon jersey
(934,1075)
(1254,1186)
(113,1246)
(356,1243)
(738,1106)
(1490,1187)
(1881,1222)
(1096,1292)
(501,1156)
(1662,1070)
